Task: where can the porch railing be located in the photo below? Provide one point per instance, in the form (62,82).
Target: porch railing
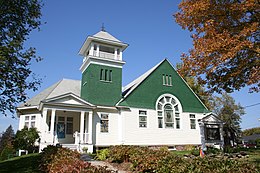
(76,135)
(105,55)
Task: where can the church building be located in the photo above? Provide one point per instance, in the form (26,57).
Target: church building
(156,109)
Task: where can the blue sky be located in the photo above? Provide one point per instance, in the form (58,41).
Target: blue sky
(147,26)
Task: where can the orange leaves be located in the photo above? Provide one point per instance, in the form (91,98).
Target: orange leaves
(225,42)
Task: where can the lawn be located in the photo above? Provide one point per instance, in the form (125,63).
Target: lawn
(181,153)
(28,163)
(254,156)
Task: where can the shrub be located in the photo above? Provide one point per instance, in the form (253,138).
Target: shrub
(63,160)
(7,153)
(85,149)
(122,153)
(213,150)
(195,152)
(161,161)
(229,149)
(147,160)
(102,154)
(57,159)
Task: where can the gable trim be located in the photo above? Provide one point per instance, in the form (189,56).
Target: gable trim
(134,84)
(189,87)
(209,115)
(50,100)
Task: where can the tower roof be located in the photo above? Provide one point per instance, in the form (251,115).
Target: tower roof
(102,37)
(105,35)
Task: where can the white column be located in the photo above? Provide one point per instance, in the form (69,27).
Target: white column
(115,54)
(86,130)
(81,126)
(53,111)
(97,54)
(44,118)
(121,55)
(91,51)
(90,121)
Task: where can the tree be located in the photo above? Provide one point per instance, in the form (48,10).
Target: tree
(18,19)
(251,131)
(230,113)
(225,33)
(25,139)
(6,146)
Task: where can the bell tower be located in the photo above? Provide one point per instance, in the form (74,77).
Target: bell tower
(101,69)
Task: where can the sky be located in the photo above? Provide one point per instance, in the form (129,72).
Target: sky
(147,26)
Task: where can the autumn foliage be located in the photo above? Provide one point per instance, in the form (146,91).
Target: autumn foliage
(225,33)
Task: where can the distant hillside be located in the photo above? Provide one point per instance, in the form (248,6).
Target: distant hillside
(251,131)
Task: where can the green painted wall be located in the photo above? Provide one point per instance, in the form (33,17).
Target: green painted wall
(147,93)
(100,92)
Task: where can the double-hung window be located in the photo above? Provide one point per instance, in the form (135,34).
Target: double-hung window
(142,119)
(69,128)
(105,75)
(192,121)
(104,123)
(29,121)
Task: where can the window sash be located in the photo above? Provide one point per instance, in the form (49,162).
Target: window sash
(192,123)
(142,121)
(104,126)
(160,122)
(177,123)
(69,125)
(104,123)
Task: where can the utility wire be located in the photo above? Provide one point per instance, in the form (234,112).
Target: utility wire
(251,105)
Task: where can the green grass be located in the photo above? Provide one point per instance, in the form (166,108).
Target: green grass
(28,163)
(181,153)
(254,156)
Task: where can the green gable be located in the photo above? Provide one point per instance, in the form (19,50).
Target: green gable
(101,89)
(149,90)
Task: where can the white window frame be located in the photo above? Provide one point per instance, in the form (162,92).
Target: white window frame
(30,120)
(104,119)
(167,80)
(142,113)
(176,111)
(69,122)
(192,121)
(106,75)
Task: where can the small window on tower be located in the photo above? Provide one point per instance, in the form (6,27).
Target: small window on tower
(110,76)
(101,74)
(105,75)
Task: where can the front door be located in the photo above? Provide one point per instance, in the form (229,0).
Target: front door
(61,128)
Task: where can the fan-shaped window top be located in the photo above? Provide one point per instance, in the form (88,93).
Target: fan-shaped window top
(168,112)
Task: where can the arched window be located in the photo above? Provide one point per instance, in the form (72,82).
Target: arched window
(168,112)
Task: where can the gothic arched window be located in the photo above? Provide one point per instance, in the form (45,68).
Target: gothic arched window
(168,112)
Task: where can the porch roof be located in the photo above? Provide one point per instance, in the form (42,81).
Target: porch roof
(60,88)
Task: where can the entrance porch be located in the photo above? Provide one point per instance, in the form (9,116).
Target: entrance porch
(68,127)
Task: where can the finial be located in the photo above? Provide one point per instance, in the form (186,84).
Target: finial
(103,27)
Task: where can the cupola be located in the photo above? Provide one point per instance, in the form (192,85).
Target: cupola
(102,47)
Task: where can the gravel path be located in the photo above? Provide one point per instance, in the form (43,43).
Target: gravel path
(87,158)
